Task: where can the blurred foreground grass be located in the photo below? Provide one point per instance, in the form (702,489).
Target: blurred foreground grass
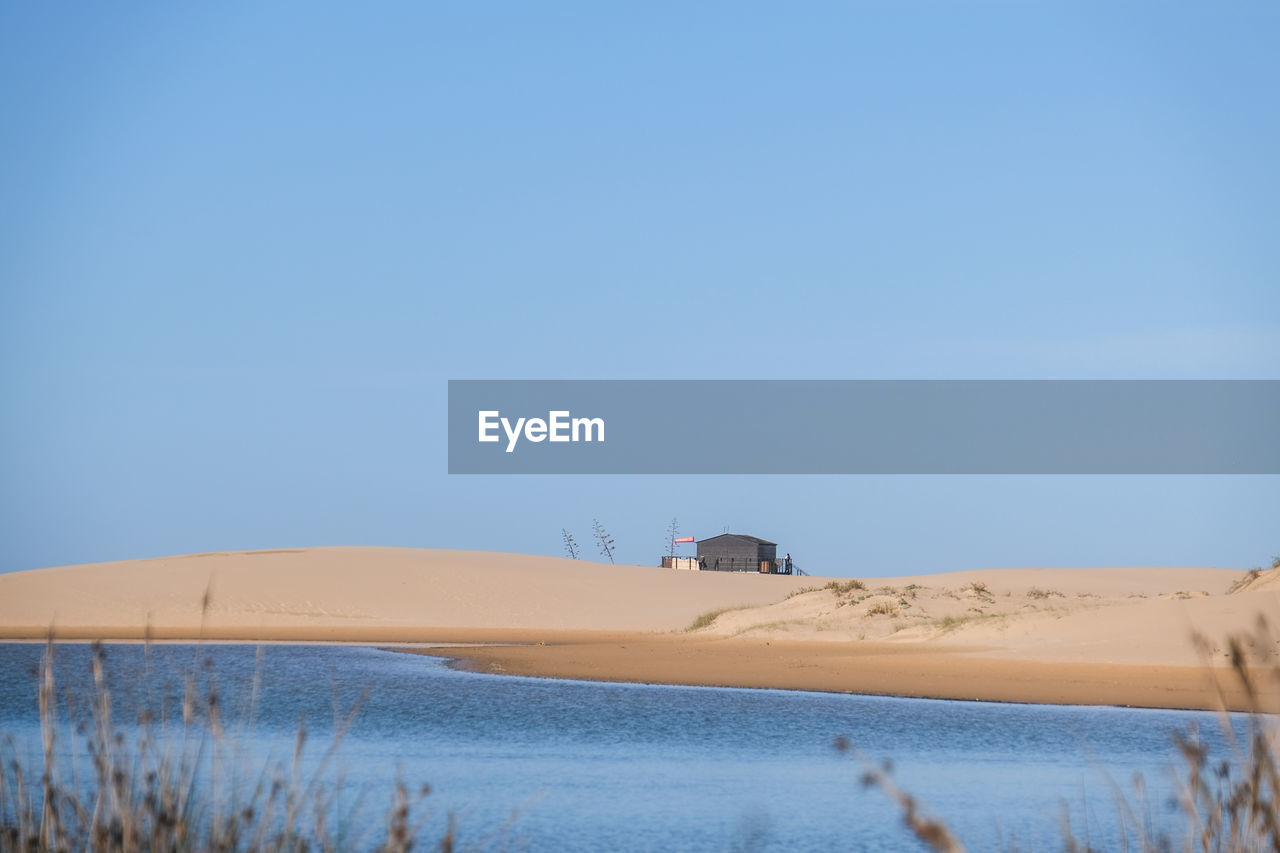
(1227,803)
(193,789)
(182,782)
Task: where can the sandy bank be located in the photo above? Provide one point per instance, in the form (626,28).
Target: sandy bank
(887,669)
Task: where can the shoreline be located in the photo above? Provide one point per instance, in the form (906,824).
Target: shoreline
(871,669)
(917,671)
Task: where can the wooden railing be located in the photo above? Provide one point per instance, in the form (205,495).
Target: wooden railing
(747,564)
(731,564)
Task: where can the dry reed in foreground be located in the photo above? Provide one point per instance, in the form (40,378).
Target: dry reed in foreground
(1229,804)
(184,791)
(155,793)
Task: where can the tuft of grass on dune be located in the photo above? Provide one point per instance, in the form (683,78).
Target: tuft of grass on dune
(704,620)
(947,624)
(882,608)
(1243,583)
(845,587)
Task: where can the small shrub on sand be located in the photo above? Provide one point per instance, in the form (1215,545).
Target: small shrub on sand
(846,587)
(882,608)
(977,588)
(705,619)
(1036,592)
(1249,577)
(973,615)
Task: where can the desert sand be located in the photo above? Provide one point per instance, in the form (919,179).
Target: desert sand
(1088,636)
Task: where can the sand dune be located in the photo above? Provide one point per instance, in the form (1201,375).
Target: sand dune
(1120,635)
(1130,615)
(346,593)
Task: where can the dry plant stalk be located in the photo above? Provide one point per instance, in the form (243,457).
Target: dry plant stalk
(930,830)
(161,793)
(1229,804)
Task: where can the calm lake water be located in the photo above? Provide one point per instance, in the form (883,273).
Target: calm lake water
(639,767)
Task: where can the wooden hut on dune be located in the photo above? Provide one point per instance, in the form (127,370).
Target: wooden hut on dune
(733,552)
(737,552)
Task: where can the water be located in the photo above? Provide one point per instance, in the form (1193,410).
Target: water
(640,767)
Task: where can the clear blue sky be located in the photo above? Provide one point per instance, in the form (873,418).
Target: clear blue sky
(244,246)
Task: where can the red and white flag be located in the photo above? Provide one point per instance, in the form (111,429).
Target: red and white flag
(682,539)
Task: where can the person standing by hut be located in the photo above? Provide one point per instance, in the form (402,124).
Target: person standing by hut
(787,564)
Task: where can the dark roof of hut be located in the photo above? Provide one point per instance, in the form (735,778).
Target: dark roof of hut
(755,539)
